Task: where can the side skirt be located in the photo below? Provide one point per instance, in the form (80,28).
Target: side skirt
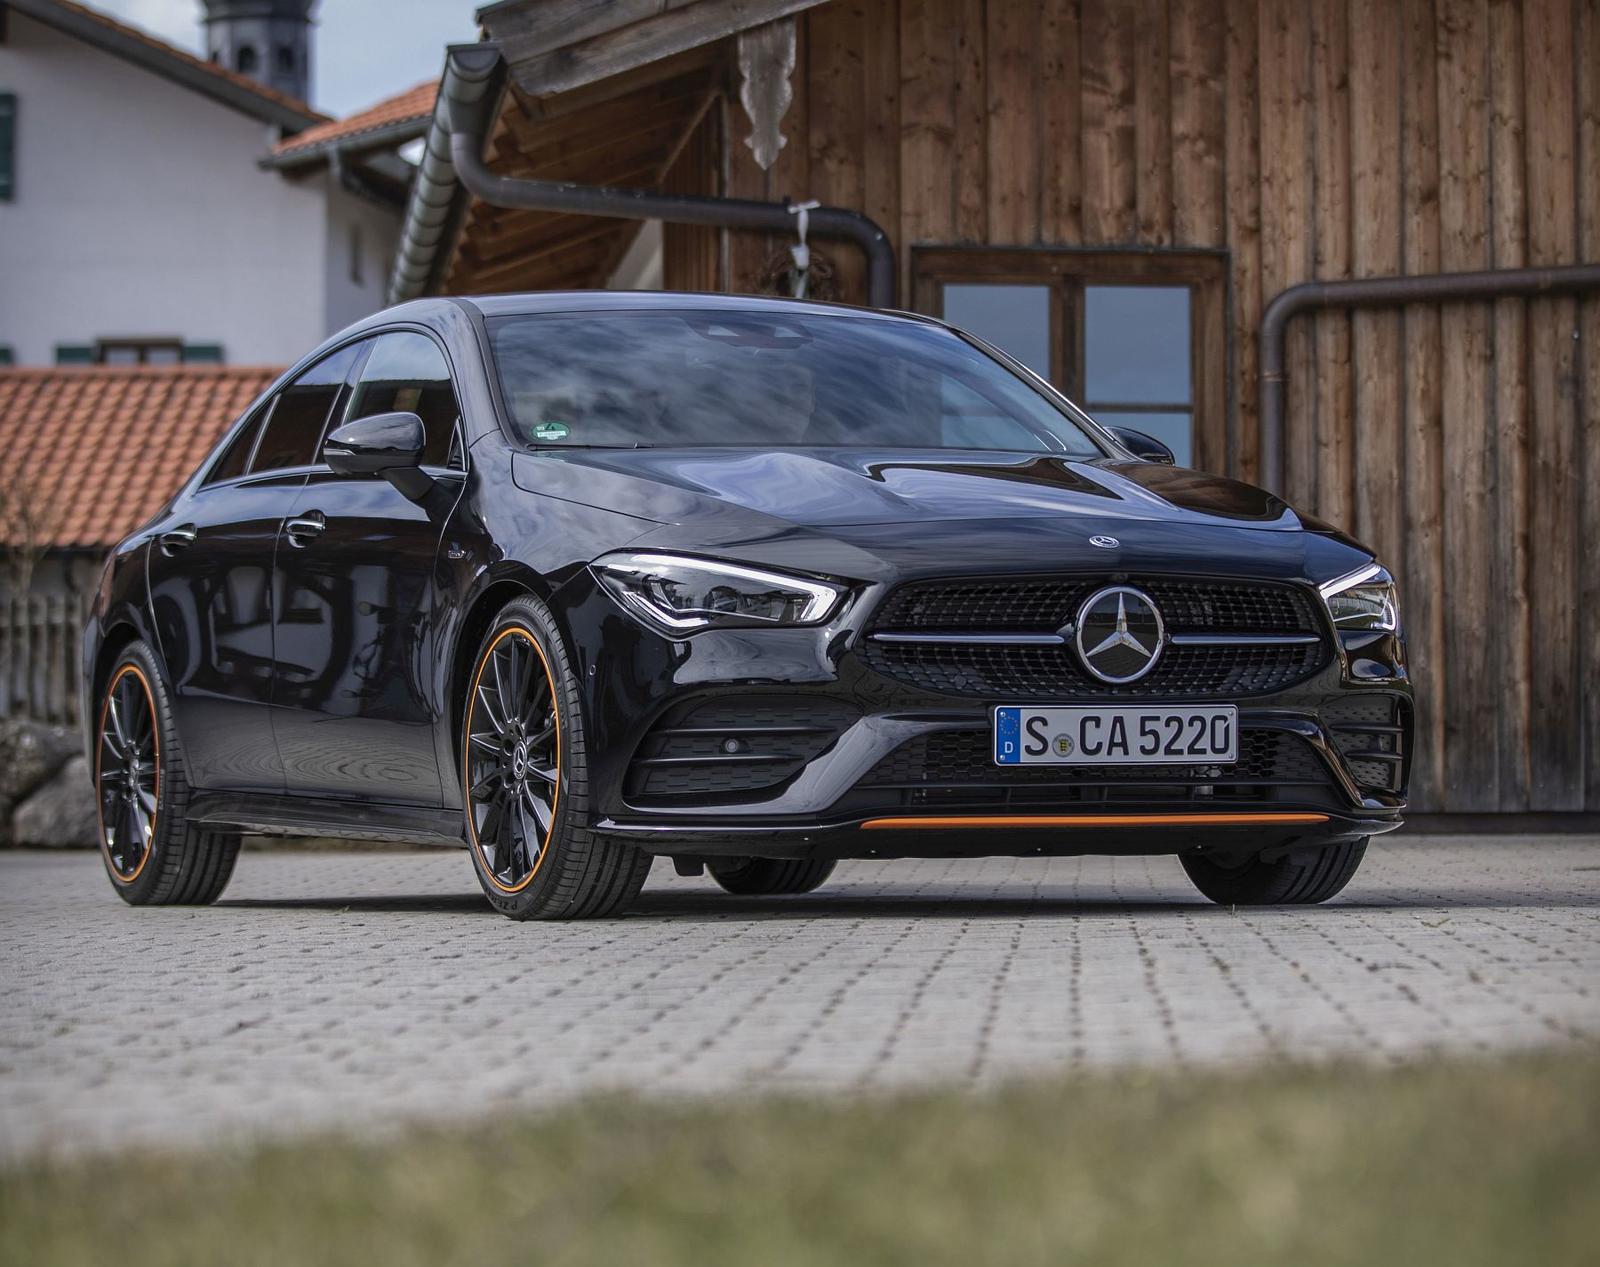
(266,814)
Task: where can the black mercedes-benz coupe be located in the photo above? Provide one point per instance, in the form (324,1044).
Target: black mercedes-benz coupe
(581,579)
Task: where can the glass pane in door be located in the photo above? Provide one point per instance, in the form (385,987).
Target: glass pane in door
(1016,319)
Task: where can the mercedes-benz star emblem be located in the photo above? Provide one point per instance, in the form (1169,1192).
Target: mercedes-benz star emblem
(1119,634)
(1105,543)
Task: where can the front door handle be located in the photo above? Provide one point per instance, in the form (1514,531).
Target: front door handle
(302,528)
(177,539)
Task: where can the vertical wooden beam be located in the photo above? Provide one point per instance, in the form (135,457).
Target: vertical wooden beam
(1586,48)
(1471,727)
(1556,747)
(1242,185)
(1109,159)
(1061,138)
(927,121)
(1376,45)
(1287,226)
(1333,421)
(972,133)
(1423,367)
(1508,243)
(1152,130)
(836,90)
(1199,198)
(1012,57)
(881,94)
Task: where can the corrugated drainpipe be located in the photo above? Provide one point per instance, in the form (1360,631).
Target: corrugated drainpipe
(474,68)
(1385,292)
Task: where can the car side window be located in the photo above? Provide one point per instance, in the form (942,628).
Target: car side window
(231,464)
(299,413)
(408,372)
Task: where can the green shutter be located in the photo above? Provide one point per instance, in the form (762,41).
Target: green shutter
(202,354)
(74,354)
(8,146)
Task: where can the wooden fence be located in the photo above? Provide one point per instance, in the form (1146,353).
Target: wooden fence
(41,638)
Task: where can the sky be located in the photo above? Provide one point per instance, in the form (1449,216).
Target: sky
(362,50)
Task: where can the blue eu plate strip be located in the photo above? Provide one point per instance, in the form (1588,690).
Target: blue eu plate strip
(1008,736)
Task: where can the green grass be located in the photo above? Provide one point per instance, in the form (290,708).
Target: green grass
(1448,1163)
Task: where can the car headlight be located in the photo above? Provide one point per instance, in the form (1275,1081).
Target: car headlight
(679,594)
(1364,600)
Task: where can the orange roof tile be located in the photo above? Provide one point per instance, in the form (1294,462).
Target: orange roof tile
(413,103)
(105,446)
(172,50)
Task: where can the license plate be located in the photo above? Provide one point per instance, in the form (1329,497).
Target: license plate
(1196,735)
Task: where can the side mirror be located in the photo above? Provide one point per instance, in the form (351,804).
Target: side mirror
(1142,446)
(389,445)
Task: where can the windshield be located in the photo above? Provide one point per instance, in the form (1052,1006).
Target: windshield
(771,380)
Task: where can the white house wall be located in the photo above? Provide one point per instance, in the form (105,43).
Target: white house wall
(140,211)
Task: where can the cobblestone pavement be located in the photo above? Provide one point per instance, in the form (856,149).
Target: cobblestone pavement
(357,990)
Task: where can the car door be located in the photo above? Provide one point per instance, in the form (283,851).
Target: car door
(356,632)
(211,592)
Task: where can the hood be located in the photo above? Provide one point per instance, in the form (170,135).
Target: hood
(834,488)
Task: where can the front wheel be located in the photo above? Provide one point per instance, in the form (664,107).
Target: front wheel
(769,877)
(525,780)
(1298,879)
(153,856)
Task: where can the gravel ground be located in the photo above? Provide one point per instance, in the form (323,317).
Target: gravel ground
(359,990)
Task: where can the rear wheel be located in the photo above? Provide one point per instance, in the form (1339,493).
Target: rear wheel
(154,857)
(1292,880)
(526,783)
(770,877)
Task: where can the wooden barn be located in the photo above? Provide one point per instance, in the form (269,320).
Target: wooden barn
(1116,191)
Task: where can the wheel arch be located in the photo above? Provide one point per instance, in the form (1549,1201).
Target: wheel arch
(474,624)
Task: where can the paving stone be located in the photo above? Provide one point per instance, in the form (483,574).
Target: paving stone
(353,991)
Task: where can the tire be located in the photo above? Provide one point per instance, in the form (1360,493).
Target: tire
(1301,879)
(525,780)
(771,877)
(152,854)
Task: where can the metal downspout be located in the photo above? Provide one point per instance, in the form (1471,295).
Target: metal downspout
(475,66)
(1376,292)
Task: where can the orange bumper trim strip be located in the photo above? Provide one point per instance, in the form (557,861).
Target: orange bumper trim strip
(1094,820)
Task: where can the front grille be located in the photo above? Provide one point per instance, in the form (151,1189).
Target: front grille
(957,757)
(1045,604)
(687,754)
(1367,731)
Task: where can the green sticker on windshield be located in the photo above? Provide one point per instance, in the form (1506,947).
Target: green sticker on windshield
(551,431)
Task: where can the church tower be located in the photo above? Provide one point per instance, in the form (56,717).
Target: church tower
(268,40)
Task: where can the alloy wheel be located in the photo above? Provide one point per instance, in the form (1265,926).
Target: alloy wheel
(128,772)
(513,758)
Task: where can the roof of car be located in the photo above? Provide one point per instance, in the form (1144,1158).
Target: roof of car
(625,300)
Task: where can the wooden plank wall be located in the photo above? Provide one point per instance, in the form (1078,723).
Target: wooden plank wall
(1312,139)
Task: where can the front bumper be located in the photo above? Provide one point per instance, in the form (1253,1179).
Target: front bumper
(810,752)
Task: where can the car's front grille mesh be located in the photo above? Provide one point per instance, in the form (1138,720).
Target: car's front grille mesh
(1045,604)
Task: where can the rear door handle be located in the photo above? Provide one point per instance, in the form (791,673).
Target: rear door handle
(177,539)
(302,528)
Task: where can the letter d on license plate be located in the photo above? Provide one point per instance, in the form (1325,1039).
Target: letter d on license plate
(1147,735)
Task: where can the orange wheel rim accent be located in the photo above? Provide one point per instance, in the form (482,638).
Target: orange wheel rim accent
(127,670)
(466,758)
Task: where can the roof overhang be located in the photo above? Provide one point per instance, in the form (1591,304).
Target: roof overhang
(554,52)
(171,63)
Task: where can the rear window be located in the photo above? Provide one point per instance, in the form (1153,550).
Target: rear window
(236,456)
(707,377)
